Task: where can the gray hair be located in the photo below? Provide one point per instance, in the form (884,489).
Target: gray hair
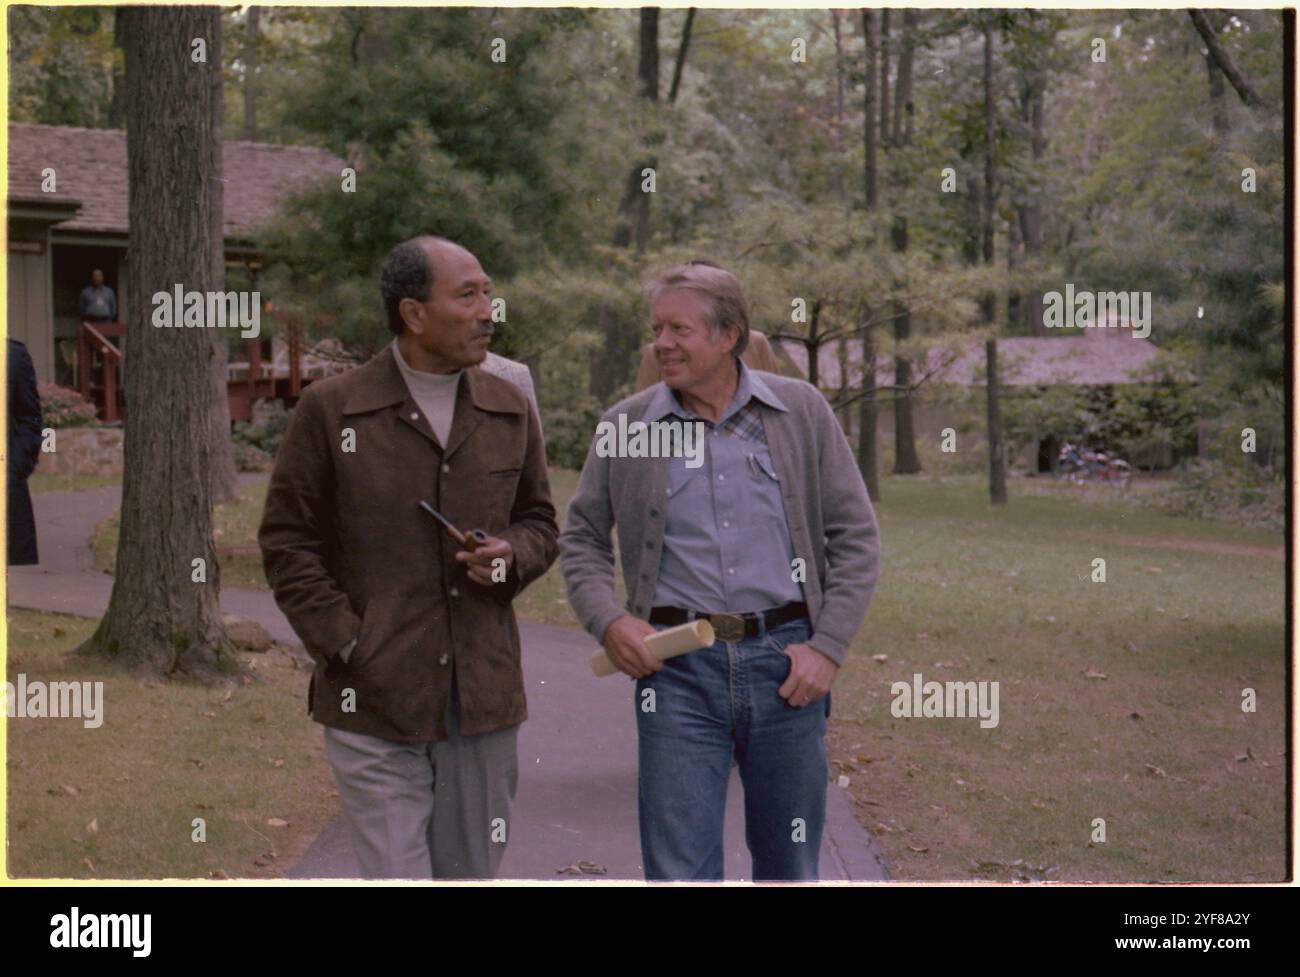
(726,300)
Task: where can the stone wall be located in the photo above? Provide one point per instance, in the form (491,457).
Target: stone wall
(83,451)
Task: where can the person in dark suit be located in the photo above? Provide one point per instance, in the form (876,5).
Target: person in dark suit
(24,453)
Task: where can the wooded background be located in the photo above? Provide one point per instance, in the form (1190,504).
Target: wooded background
(805,149)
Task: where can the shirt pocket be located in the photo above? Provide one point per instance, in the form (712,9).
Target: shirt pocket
(765,501)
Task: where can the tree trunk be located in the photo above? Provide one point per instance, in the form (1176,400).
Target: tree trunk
(159,620)
(608,365)
(997,467)
(1031,210)
(116,108)
(906,460)
(990,136)
(1218,90)
(903,108)
(250,73)
(868,462)
(224,477)
(680,63)
(884,77)
(1223,59)
(837,130)
(869,107)
(997,473)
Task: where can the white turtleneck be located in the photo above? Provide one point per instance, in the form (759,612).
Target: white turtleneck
(435,393)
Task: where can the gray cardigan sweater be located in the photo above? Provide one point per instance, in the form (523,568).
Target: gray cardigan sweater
(832,523)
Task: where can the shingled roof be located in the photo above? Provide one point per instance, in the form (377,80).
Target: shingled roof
(90,166)
(1082,357)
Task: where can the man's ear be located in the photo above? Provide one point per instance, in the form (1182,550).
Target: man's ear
(412,314)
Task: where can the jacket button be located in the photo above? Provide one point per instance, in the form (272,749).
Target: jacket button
(446,468)
(455,592)
(649,545)
(414,416)
(442,659)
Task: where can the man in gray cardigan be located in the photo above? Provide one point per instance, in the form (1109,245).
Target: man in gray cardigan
(763,526)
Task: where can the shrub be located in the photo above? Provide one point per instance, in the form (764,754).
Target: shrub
(1239,492)
(251,459)
(264,431)
(62,407)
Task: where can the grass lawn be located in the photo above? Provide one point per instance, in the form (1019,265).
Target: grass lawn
(1189,786)
(1118,701)
(118,801)
(70,483)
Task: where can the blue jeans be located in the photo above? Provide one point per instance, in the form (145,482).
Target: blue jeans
(713,704)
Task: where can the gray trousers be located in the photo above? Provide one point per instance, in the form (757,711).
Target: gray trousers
(427,810)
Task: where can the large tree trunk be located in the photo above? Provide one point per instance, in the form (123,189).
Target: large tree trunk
(221,466)
(159,620)
(250,73)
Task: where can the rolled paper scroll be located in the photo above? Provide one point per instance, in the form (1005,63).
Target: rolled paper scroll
(664,644)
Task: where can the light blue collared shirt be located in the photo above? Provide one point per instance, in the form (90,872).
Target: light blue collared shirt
(726,543)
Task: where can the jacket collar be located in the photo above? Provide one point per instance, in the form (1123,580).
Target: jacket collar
(378,384)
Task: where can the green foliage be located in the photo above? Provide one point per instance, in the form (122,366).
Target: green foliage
(1138,421)
(264,432)
(1229,491)
(62,407)
(61,62)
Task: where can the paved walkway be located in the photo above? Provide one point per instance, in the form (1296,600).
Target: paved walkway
(577,751)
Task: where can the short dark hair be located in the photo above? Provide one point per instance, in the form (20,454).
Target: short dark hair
(407,274)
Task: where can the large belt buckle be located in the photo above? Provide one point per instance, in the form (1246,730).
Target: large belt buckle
(727,628)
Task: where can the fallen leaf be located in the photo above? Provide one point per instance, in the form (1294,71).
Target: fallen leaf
(217,874)
(843,782)
(1153,570)
(1132,647)
(1091,673)
(1136,715)
(277,823)
(1155,771)
(59,632)
(919,851)
(880,658)
(93,826)
(277,763)
(197,762)
(264,859)
(88,863)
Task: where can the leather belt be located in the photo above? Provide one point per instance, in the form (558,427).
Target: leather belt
(733,627)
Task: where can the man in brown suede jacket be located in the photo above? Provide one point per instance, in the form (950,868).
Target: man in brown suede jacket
(418,679)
